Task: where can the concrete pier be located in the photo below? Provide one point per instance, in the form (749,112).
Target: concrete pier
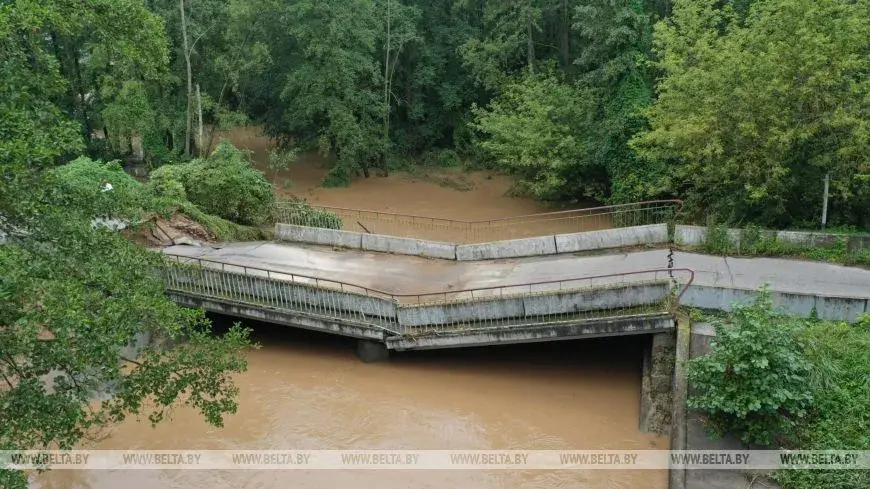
(656,384)
(371,352)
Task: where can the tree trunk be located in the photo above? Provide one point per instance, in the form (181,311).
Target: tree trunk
(387,78)
(565,38)
(84,103)
(199,140)
(530,43)
(189,76)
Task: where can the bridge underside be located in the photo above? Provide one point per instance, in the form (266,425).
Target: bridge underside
(454,337)
(581,329)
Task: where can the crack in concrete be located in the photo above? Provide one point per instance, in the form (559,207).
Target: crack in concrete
(728,267)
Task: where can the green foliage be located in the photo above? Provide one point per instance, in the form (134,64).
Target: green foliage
(838,420)
(79,186)
(753,112)
(615,39)
(503,49)
(301,213)
(535,129)
(73,299)
(753,240)
(225,184)
(444,158)
(282,159)
(718,241)
(754,382)
(225,230)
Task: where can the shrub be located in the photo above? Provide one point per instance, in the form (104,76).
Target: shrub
(718,241)
(301,213)
(79,187)
(754,382)
(225,184)
(444,158)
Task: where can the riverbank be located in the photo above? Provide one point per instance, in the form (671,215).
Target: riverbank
(447,193)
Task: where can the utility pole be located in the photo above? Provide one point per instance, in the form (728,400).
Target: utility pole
(825,201)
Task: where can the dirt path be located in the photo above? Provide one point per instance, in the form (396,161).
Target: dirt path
(433,194)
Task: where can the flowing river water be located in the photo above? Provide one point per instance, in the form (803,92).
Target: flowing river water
(308,391)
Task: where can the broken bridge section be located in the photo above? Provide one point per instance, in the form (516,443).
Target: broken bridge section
(637,302)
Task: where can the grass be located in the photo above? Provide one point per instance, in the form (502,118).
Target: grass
(839,382)
(839,418)
(754,241)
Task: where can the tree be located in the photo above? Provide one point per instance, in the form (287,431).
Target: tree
(77,302)
(507,43)
(537,129)
(75,306)
(614,46)
(186,51)
(752,114)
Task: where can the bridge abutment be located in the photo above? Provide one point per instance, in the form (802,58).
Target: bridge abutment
(658,374)
(372,351)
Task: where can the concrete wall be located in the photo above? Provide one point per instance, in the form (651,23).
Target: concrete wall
(517,307)
(697,235)
(591,300)
(289,295)
(656,384)
(612,238)
(464,311)
(319,236)
(512,248)
(408,246)
(834,308)
(592,328)
(515,248)
(283,317)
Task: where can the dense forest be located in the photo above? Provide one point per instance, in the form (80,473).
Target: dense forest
(741,108)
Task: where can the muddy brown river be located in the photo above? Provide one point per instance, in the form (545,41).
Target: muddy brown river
(308,391)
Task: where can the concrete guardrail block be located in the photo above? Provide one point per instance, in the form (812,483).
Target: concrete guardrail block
(513,248)
(595,299)
(697,235)
(858,243)
(319,236)
(841,308)
(612,238)
(470,311)
(802,238)
(408,246)
(833,308)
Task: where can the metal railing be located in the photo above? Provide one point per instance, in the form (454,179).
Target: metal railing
(637,293)
(481,231)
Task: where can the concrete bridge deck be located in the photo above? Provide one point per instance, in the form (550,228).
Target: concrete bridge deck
(400,274)
(406,302)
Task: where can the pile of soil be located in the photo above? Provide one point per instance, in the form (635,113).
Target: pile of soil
(157,231)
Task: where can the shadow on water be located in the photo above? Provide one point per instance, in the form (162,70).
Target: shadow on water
(623,353)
